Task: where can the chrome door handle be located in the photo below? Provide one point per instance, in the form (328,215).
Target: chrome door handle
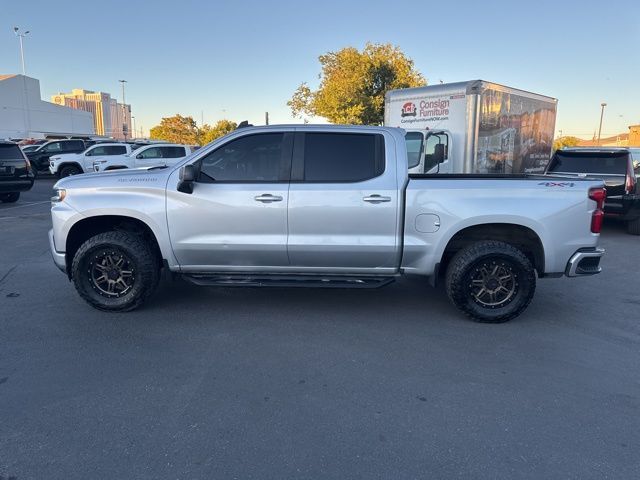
(268,198)
(375,198)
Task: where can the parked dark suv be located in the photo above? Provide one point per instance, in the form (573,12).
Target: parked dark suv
(15,172)
(40,158)
(613,165)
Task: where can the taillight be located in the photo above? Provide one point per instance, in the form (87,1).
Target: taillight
(29,167)
(630,182)
(598,194)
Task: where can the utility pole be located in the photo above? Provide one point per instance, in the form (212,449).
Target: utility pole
(601,115)
(266,118)
(21,36)
(133,119)
(124,111)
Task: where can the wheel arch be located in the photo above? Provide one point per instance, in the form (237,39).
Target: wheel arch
(69,163)
(91,226)
(520,236)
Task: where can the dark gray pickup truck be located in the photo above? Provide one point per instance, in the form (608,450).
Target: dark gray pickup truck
(616,167)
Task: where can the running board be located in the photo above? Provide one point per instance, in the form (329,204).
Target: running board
(284,280)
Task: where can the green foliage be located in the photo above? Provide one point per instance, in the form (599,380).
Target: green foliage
(562,142)
(353,84)
(220,128)
(179,129)
(176,129)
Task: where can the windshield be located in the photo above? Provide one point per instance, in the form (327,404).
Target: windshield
(590,162)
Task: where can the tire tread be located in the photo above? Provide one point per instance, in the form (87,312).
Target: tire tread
(147,263)
(467,256)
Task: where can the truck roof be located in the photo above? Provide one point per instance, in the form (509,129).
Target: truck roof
(468,87)
(316,126)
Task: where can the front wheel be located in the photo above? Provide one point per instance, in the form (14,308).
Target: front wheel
(115,271)
(69,170)
(491,281)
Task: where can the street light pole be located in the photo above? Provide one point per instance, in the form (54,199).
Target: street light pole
(21,36)
(124,111)
(601,115)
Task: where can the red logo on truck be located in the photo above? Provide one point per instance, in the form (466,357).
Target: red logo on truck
(408,110)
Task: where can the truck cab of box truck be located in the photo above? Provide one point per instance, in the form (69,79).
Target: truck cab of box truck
(430,151)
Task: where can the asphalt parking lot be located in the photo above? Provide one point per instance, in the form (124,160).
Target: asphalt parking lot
(302,383)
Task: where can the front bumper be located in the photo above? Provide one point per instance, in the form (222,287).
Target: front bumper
(584,262)
(58,258)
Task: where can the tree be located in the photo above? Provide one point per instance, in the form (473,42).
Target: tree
(176,129)
(221,128)
(562,142)
(353,84)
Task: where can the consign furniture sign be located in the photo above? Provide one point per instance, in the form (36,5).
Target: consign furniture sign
(428,111)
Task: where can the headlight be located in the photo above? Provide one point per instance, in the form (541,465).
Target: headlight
(59,195)
(99,162)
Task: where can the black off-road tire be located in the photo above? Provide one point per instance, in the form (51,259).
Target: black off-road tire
(470,263)
(633,226)
(10,197)
(69,170)
(144,265)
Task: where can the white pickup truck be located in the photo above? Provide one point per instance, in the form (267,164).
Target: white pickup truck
(154,155)
(322,206)
(69,164)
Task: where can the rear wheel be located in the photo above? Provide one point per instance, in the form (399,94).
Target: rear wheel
(10,197)
(633,226)
(69,170)
(115,271)
(491,281)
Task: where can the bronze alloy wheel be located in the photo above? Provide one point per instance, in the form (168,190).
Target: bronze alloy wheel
(111,273)
(493,284)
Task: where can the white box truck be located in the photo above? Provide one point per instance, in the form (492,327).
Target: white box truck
(473,127)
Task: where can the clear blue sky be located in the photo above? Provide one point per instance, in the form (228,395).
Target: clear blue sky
(239,59)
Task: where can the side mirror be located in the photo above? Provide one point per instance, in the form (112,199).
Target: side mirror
(139,156)
(187,178)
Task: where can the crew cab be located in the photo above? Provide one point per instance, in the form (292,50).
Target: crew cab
(16,175)
(323,206)
(616,167)
(39,158)
(154,155)
(76,163)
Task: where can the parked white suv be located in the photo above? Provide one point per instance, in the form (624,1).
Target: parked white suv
(156,155)
(76,163)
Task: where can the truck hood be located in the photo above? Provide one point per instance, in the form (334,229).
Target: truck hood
(127,176)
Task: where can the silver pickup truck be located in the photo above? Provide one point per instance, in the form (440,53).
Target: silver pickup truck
(329,206)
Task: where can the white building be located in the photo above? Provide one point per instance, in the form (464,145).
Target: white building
(23,113)
(111,119)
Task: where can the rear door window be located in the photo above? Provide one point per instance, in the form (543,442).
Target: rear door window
(115,150)
(590,162)
(73,146)
(342,157)
(172,152)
